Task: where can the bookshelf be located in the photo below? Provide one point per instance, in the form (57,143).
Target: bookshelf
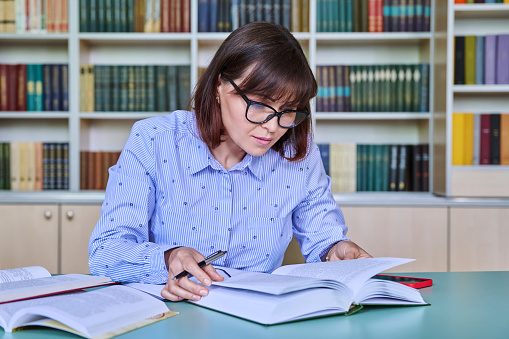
(472,180)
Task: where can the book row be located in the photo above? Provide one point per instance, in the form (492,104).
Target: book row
(34,166)
(151,88)
(35,16)
(360,167)
(481,2)
(481,59)
(94,167)
(227,15)
(373,15)
(480,139)
(34,87)
(142,16)
(373,88)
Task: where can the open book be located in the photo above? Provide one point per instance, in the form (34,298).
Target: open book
(101,313)
(302,291)
(30,282)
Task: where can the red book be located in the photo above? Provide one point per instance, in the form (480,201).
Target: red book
(3,88)
(485,140)
(12,87)
(165,16)
(460,1)
(379,16)
(186,16)
(372,12)
(22,88)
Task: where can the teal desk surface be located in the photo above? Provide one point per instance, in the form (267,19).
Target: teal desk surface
(463,305)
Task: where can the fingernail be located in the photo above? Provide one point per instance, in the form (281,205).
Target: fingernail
(207,282)
(196,297)
(204,292)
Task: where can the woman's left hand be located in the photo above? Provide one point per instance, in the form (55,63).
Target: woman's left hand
(345,250)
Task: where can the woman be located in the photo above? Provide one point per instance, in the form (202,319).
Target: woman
(239,174)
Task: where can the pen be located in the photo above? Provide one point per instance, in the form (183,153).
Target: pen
(213,257)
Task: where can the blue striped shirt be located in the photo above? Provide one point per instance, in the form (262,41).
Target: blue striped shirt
(167,191)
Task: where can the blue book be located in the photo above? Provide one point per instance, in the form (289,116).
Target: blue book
(46,88)
(424,88)
(349,16)
(56,87)
(213,8)
(324,153)
(479,59)
(203,16)
(65,87)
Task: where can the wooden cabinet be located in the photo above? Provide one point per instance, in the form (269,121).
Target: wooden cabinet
(29,236)
(78,222)
(479,239)
(407,232)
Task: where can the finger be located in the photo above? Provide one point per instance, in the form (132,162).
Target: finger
(211,271)
(175,289)
(199,273)
(192,287)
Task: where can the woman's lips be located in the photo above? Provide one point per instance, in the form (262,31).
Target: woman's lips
(263,141)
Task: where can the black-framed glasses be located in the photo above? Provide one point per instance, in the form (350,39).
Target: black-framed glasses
(260,113)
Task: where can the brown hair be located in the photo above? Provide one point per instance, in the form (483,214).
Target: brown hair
(280,68)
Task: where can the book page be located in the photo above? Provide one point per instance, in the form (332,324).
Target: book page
(353,273)
(23,273)
(92,313)
(16,290)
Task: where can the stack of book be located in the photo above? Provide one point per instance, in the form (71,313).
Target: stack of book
(227,15)
(480,139)
(360,167)
(94,168)
(142,16)
(35,16)
(373,15)
(373,88)
(481,60)
(34,166)
(34,87)
(134,88)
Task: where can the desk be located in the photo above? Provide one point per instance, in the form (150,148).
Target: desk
(463,305)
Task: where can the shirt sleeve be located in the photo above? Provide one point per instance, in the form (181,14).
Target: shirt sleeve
(318,222)
(119,246)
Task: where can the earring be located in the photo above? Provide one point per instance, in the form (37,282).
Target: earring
(217,98)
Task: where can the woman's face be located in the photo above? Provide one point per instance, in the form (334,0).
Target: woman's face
(254,139)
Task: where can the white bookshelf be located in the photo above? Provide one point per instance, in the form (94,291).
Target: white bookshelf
(108,131)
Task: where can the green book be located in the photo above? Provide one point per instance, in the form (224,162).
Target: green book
(359,89)
(385,167)
(386,88)
(356,15)
(359,167)
(115,88)
(84,15)
(416,88)
(407,106)
(108,16)
(172,80)
(139,98)
(124,84)
(92,23)
(7,167)
(3,161)
(365,88)
(393,167)
(371,168)
(378,175)
(143,88)
(106,87)
(470,60)
(123,16)
(371,93)
(38,95)
(364,15)
(353,89)
(117,22)
(349,15)
(377,104)
(151,91)
(98,91)
(131,87)
(130,15)
(400,88)
(184,86)
(101,15)
(161,90)
(341,15)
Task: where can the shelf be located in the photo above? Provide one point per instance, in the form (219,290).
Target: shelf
(51,197)
(34,115)
(35,36)
(106,38)
(371,116)
(481,88)
(484,168)
(481,11)
(120,115)
(362,38)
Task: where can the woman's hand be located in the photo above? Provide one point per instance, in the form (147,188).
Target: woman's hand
(345,250)
(185,258)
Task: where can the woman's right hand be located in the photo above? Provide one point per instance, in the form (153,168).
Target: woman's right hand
(186,258)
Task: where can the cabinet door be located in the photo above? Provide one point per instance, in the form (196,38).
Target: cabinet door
(78,222)
(406,232)
(479,239)
(29,236)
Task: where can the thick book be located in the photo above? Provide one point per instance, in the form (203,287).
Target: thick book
(490,59)
(102,313)
(494,139)
(485,139)
(459,60)
(35,281)
(502,75)
(303,291)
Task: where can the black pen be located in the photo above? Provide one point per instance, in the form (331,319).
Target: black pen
(206,261)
